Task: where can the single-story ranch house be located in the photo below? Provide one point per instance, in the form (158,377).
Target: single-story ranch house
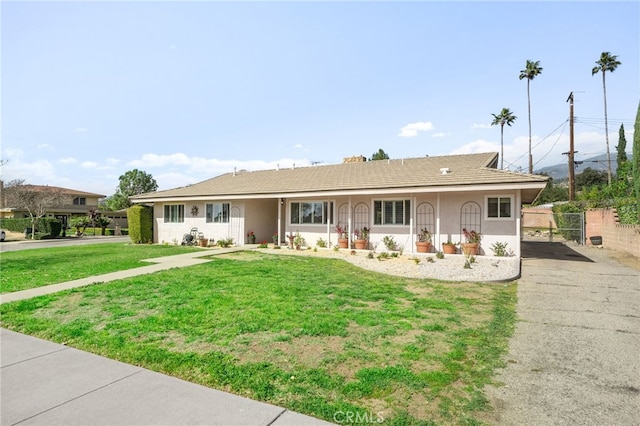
(398,198)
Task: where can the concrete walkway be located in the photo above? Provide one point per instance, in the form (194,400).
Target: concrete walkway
(44,383)
(158,264)
(575,356)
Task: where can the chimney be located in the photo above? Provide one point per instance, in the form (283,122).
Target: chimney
(354,159)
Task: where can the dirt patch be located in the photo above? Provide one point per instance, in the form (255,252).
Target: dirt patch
(624,258)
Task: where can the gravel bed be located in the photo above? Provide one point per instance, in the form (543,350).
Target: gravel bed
(451,268)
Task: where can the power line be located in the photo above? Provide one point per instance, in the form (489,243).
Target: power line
(552,146)
(564,123)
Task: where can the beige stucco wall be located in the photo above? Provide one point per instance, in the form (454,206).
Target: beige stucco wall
(261,216)
(447,227)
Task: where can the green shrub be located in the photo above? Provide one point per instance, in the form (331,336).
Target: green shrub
(225,242)
(15,224)
(568,222)
(140,220)
(627,209)
(390,243)
(500,249)
(55,228)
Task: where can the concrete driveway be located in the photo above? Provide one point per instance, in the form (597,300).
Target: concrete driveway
(575,356)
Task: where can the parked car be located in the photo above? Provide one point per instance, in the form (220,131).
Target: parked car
(2,235)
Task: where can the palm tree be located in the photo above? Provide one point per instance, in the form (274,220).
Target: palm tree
(607,62)
(505,117)
(531,70)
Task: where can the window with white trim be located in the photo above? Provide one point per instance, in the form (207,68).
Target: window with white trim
(217,213)
(391,212)
(312,212)
(174,213)
(499,207)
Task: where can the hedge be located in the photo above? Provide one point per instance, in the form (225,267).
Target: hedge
(140,220)
(45,226)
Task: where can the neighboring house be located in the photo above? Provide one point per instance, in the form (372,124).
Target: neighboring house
(391,197)
(77,203)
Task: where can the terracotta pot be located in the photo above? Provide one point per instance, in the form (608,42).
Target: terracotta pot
(360,244)
(448,248)
(423,247)
(204,242)
(470,249)
(343,242)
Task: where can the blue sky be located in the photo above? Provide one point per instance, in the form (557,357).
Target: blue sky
(187,91)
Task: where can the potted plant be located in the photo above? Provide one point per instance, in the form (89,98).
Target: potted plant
(361,237)
(472,238)
(204,242)
(275,238)
(251,237)
(343,236)
(423,245)
(449,247)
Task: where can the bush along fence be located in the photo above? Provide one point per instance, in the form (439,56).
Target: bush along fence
(48,228)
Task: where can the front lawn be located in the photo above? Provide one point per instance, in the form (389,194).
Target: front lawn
(24,269)
(318,336)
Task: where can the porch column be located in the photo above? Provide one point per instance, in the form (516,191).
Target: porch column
(438,241)
(349,222)
(280,206)
(518,220)
(411,225)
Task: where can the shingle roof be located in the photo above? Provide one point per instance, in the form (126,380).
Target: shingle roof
(401,174)
(67,191)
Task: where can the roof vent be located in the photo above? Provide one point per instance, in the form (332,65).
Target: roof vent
(445,171)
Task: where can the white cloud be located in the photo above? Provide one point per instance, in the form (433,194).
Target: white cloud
(68,160)
(298,146)
(88,164)
(112,161)
(477,146)
(172,46)
(481,126)
(411,130)
(440,135)
(187,170)
(80,130)
(44,146)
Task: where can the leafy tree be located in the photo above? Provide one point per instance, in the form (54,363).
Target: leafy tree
(622,154)
(607,62)
(133,182)
(380,155)
(636,160)
(80,223)
(531,70)
(505,117)
(553,192)
(590,177)
(32,199)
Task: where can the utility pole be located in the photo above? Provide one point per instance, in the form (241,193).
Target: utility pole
(572,164)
